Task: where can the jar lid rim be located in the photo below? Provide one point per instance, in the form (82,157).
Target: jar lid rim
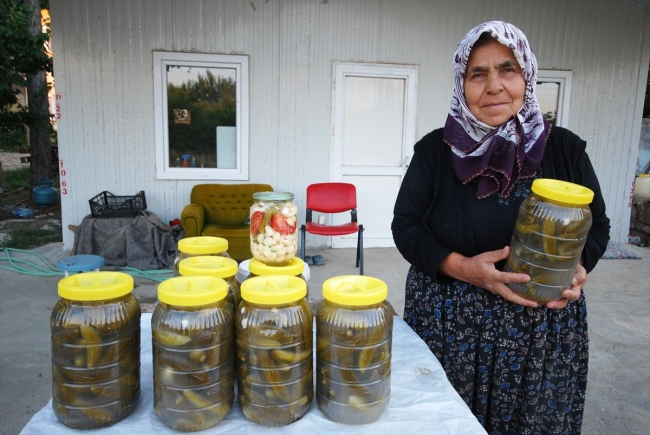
(355,290)
(294,267)
(273,289)
(95,286)
(191,291)
(273,196)
(208,265)
(562,191)
(202,245)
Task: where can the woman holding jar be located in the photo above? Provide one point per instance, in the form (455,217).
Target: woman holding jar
(519,366)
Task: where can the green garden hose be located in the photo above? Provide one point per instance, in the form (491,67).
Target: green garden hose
(46,269)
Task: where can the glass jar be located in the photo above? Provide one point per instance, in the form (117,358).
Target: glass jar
(354,330)
(95,329)
(550,232)
(294,267)
(274,327)
(274,227)
(202,245)
(193,366)
(219,267)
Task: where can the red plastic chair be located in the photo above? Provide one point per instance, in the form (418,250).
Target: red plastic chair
(333,198)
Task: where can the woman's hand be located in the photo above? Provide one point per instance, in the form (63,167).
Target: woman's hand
(480,271)
(573,293)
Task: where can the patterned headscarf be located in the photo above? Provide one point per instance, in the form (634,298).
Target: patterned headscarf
(497,156)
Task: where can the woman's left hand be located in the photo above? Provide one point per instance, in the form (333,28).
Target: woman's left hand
(573,293)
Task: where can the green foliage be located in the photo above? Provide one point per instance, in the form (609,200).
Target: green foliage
(13,141)
(550,117)
(21,53)
(211,102)
(27,238)
(16,178)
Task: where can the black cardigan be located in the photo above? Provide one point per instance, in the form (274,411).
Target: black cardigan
(435,214)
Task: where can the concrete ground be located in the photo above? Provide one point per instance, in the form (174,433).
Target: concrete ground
(618,298)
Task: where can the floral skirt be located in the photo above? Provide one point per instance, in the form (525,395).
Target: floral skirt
(520,370)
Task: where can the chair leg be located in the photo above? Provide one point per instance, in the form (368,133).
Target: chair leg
(360,250)
(302,243)
(358,243)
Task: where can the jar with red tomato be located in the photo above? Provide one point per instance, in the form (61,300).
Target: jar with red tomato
(274,227)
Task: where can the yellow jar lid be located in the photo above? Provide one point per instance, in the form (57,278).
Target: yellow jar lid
(190,291)
(273,289)
(355,290)
(644,175)
(203,245)
(562,191)
(221,267)
(95,286)
(293,267)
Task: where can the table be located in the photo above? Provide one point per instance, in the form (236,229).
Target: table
(422,401)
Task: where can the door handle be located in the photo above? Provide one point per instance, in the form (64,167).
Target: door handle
(404,160)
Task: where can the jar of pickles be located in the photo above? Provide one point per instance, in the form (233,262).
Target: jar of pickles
(354,330)
(274,327)
(274,227)
(219,267)
(202,245)
(550,232)
(95,329)
(294,267)
(193,366)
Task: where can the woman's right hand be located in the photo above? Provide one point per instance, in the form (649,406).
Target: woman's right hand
(480,271)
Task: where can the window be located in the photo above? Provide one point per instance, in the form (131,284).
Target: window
(201,116)
(554,95)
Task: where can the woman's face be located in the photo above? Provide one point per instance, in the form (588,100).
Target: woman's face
(494,85)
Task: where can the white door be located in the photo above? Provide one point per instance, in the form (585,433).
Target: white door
(373,138)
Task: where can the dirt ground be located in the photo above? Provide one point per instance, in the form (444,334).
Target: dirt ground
(13,199)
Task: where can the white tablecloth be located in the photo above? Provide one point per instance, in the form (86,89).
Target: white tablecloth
(422,401)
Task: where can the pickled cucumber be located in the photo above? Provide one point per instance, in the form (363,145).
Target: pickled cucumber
(274,361)
(193,364)
(95,361)
(353,361)
(546,245)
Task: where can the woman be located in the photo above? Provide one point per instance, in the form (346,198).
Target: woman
(520,367)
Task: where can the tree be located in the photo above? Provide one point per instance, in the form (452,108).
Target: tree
(211,101)
(550,116)
(23,63)
(646,106)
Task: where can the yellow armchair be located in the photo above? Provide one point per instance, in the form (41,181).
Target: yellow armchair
(222,210)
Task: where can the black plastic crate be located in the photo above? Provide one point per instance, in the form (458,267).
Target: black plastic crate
(107,205)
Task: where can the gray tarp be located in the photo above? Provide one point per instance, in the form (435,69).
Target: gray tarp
(143,242)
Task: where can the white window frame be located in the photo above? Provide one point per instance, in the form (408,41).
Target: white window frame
(162,59)
(563,79)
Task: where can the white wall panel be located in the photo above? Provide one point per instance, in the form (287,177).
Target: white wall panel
(103,71)
(375,223)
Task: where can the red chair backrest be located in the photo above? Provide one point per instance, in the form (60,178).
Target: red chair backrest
(331,197)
